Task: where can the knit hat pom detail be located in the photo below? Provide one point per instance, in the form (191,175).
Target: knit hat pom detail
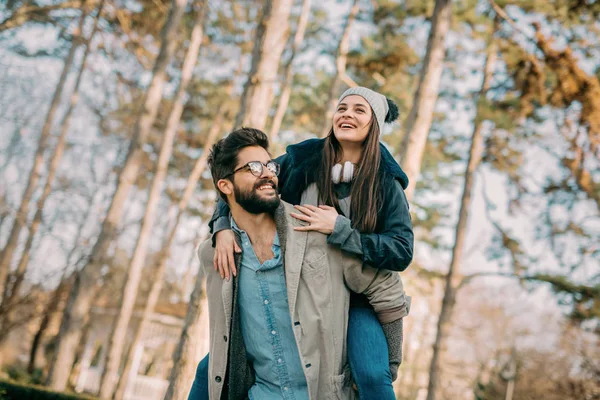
(393,112)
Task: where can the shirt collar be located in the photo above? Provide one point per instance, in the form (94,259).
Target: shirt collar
(237,230)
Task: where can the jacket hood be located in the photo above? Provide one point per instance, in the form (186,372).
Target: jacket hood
(305,154)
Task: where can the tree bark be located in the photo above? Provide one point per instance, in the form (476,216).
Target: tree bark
(116,343)
(340,75)
(36,171)
(53,167)
(183,367)
(286,89)
(53,307)
(421,113)
(157,279)
(453,277)
(84,289)
(271,36)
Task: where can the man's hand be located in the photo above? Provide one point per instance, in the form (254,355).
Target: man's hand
(225,245)
(320,219)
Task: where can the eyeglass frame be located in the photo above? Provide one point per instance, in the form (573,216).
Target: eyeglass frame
(262,166)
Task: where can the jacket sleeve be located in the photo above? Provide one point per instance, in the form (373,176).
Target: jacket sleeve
(383,289)
(392,247)
(219,220)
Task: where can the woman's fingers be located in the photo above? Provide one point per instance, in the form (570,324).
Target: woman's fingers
(230,263)
(216,261)
(311,207)
(220,266)
(303,209)
(301,217)
(305,228)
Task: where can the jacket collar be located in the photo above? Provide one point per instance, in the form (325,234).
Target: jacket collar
(306,153)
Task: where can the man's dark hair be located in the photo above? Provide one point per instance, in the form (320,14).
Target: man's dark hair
(223,156)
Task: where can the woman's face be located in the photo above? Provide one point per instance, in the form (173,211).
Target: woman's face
(351,120)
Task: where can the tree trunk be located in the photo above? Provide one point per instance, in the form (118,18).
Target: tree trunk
(84,289)
(36,171)
(117,339)
(58,297)
(182,373)
(453,276)
(340,75)
(271,36)
(421,113)
(157,279)
(53,167)
(286,89)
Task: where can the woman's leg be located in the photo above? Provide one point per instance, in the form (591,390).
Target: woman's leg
(199,389)
(368,355)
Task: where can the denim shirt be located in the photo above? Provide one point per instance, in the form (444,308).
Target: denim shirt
(266,325)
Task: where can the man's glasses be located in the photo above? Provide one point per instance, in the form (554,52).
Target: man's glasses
(256,168)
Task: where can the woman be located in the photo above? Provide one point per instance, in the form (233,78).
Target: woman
(363,210)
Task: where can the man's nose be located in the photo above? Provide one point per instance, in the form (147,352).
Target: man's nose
(266,172)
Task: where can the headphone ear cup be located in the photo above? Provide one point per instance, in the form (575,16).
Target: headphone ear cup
(336,173)
(348,172)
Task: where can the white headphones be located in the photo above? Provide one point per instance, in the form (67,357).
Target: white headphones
(343,173)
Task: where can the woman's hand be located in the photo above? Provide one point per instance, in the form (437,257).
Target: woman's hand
(225,245)
(320,219)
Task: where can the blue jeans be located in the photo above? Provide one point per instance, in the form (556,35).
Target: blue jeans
(367,354)
(199,389)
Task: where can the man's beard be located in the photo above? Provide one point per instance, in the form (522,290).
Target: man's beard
(251,200)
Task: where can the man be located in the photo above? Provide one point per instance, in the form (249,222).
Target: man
(278,329)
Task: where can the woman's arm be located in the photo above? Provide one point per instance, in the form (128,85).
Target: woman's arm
(220,218)
(392,247)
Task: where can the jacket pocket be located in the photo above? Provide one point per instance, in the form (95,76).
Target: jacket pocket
(342,387)
(316,265)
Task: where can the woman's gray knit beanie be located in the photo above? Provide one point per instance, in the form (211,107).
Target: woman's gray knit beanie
(385,110)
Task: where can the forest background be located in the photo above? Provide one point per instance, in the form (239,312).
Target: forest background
(108,107)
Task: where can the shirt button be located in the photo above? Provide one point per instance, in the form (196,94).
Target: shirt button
(285,388)
(218,379)
(274,332)
(225,338)
(279,360)
(266,301)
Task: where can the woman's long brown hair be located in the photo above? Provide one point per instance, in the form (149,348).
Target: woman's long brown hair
(366,194)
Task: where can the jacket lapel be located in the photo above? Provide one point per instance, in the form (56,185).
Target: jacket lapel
(227,294)
(293,248)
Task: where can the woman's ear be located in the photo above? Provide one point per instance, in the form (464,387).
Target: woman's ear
(225,186)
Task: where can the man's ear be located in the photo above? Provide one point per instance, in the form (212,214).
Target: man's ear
(225,186)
